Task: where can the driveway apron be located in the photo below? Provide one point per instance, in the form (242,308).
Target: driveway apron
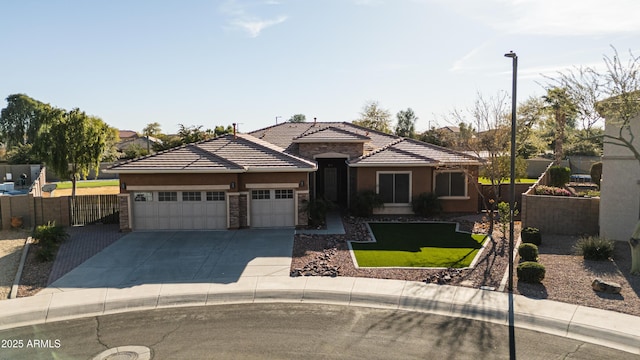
(184,257)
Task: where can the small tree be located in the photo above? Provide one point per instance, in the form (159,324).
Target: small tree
(374,117)
(406,126)
(298,118)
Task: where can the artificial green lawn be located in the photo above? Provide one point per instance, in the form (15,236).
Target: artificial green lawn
(487,181)
(88,183)
(418,245)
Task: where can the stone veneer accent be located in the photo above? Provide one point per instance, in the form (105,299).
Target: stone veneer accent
(303,217)
(234,210)
(124,199)
(243,198)
(309,150)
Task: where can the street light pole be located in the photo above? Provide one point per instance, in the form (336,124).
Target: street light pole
(512,185)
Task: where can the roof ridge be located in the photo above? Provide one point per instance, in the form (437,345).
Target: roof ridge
(366,129)
(331,127)
(379,150)
(442,148)
(267,145)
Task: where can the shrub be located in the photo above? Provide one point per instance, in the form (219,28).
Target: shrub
(531,272)
(426,204)
(531,235)
(559,175)
(49,237)
(528,252)
(317,210)
(552,191)
(595,248)
(596,172)
(365,201)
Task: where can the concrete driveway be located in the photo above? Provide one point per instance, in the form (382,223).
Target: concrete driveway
(184,257)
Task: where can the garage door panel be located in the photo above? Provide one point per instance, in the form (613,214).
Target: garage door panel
(272,208)
(179,210)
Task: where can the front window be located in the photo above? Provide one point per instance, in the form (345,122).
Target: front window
(394,188)
(451,184)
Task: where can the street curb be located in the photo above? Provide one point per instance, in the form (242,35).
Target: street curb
(595,326)
(16,281)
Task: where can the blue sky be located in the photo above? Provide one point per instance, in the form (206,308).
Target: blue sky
(217,62)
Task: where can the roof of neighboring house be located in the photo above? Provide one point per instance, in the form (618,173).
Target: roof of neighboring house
(411,152)
(284,134)
(227,153)
(453,129)
(127,134)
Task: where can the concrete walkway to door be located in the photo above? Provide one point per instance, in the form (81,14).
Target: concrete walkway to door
(183,257)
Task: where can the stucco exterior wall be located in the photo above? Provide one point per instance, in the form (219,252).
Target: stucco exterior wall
(619,188)
(421,182)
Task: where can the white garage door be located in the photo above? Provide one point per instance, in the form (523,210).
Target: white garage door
(179,210)
(272,208)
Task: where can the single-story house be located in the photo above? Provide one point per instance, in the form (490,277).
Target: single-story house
(263,178)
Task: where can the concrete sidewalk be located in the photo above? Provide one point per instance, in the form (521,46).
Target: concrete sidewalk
(596,326)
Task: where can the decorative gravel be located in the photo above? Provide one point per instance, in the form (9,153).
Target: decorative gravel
(568,277)
(11,244)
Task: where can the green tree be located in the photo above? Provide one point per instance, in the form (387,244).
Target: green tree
(374,117)
(530,114)
(298,118)
(22,154)
(221,130)
(152,129)
(559,103)
(72,143)
(406,126)
(191,134)
(20,120)
(437,137)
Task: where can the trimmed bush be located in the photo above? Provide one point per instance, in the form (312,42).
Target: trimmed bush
(528,252)
(595,248)
(530,272)
(365,201)
(559,175)
(531,235)
(317,210)
(596,172)
(426,204)
(552,191)
(49,237)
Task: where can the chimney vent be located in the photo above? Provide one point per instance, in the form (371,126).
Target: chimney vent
(234,131)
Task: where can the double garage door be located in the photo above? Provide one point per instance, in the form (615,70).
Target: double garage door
(179,210)
(207,210)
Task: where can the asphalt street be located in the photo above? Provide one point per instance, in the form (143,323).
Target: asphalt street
(289,331)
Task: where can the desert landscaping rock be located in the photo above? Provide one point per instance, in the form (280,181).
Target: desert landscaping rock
(608,287)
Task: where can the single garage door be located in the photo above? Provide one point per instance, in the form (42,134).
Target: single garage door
(179,210)
(272,208)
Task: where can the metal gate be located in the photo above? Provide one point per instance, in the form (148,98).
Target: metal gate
(93,209)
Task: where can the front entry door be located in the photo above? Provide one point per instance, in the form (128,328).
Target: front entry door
(331,184)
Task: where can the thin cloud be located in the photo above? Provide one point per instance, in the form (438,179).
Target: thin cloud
(553,17)
(241,15)
(255,26)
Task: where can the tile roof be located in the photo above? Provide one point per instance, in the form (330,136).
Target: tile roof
(221,154)
(284,134)
(415,153)
(331,134)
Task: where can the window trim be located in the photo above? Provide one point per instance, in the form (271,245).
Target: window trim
(466,184)
(394,195)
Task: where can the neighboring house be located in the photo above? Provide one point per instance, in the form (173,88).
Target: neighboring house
(263,179)
(620,185)
(129,138)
